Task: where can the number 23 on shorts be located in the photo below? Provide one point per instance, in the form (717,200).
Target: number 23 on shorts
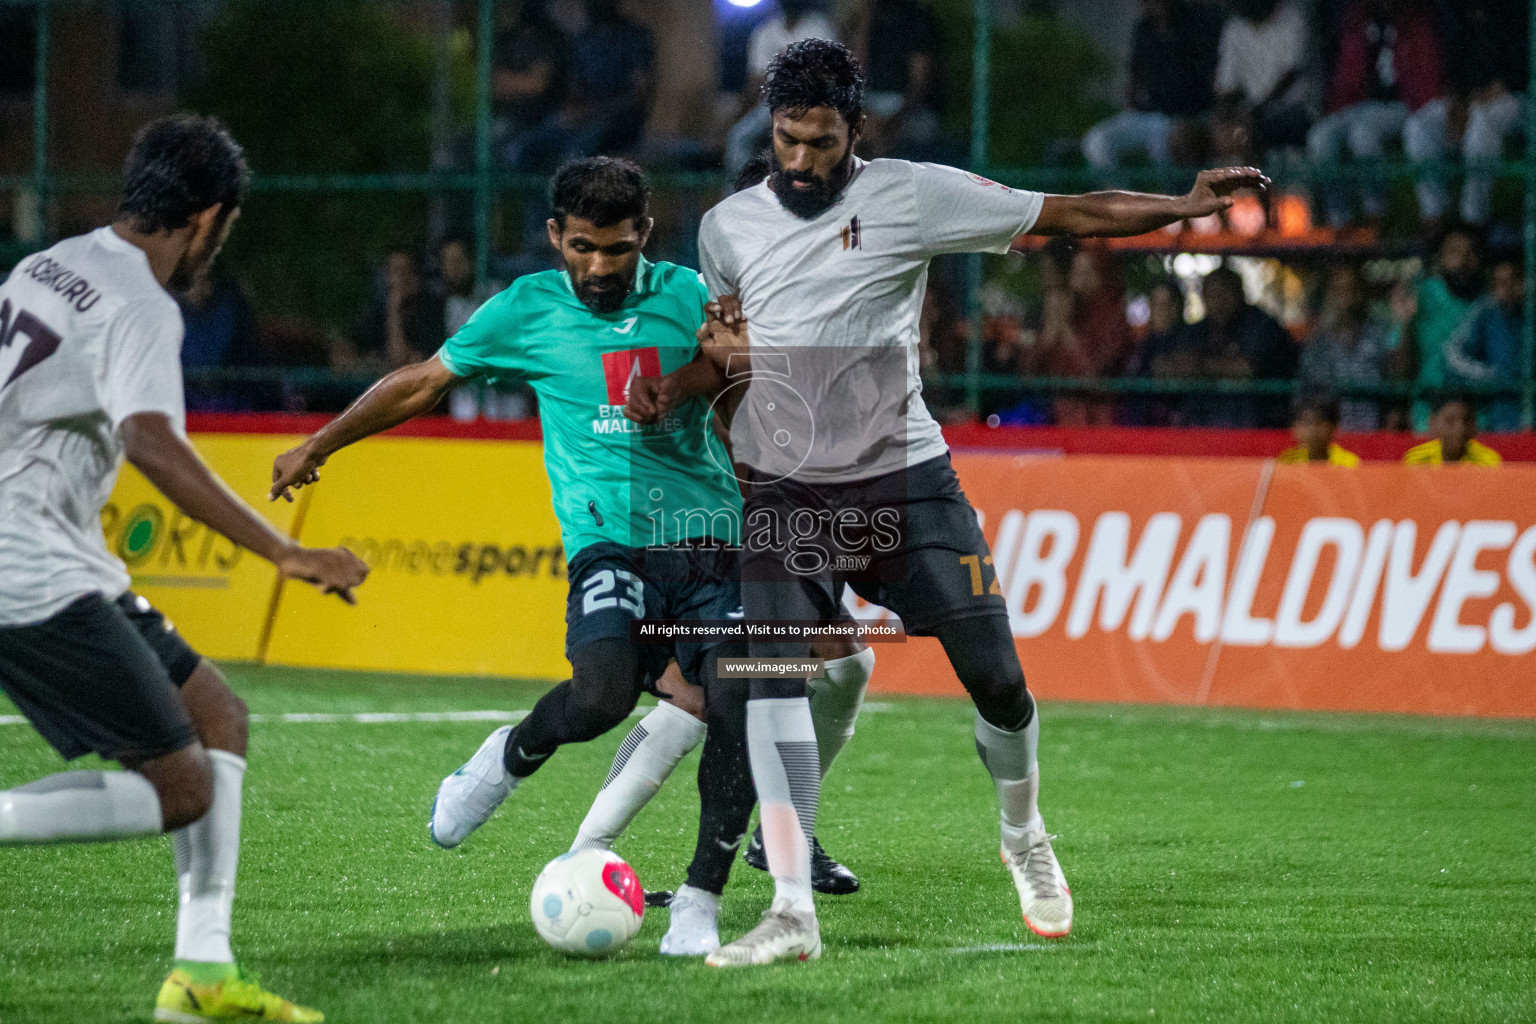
(600,595)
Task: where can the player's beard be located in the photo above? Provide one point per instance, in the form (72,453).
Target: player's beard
(810,203)
(605,294)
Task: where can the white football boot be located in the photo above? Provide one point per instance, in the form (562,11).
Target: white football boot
(469,796)
(1043,894)
(783,934)
(694,930)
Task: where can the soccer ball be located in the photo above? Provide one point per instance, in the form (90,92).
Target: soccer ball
(587,903)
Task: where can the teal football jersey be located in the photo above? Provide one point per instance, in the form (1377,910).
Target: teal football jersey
(613,479)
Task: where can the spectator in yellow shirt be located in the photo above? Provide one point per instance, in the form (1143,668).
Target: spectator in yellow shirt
(1453,437)
(1314,420)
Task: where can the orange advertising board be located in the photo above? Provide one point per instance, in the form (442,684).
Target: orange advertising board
(1240,582)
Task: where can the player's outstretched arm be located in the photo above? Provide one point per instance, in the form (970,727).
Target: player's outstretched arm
(1125,214)
(172,465)
(408,392)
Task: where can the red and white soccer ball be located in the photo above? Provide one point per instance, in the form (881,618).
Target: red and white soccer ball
(587,903)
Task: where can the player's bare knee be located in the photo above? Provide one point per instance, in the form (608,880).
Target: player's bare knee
(689,698)
(238,716)
(836,649)
(220,715)
(235,722)
(184,782)
(193,795)
(679,692)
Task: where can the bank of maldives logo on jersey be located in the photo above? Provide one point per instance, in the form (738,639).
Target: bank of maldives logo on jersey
(619,368)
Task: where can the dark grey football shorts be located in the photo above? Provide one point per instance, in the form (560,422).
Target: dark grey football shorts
(101,676)
(929,562)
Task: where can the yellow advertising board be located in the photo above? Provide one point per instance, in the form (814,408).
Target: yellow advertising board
(468,572)
(217,594)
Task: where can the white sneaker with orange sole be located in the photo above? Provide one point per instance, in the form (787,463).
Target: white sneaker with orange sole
(1043,894)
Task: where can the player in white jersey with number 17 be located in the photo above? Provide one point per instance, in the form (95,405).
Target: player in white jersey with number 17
(90,372)
(818,276)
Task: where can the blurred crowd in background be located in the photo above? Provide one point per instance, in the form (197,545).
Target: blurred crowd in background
(1231,81)
(1453,323)
(575,80)
(1248,81)
(356,284)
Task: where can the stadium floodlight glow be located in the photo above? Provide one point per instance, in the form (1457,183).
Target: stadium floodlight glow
(744,3)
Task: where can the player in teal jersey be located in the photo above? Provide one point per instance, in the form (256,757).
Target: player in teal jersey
(646,514)
(613,480)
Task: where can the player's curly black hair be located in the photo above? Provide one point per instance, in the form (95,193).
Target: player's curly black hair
(180,165)
(602,189)
(816,73)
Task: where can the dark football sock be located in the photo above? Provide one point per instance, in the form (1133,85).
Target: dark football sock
(726,794)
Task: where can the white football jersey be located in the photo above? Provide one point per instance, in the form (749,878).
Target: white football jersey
(833,306)
(88,337)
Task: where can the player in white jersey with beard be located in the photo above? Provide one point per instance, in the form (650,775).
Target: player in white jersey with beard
(90,372)
(819,275)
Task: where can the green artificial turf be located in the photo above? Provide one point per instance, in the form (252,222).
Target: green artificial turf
(1227,866)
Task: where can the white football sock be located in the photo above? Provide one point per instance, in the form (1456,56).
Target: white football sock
(76,807)
(645,759)
(1011,758)
(781,742)
(836,697)
(207,854)
(1019,804)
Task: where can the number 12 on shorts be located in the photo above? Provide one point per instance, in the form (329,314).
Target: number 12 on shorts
(600,587)
(974,563)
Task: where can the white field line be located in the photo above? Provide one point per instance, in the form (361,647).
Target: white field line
(386,717)
(1004,947)
(394,717)
(361,718)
